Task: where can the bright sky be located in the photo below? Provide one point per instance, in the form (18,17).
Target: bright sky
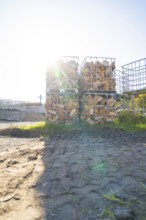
(32,31)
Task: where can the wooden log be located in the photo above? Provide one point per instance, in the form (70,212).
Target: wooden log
(98,108)
(96,84)
(111,102)
(108,119)
(63,76)
(73,112)
(61,108)
(90,121)
(98,75)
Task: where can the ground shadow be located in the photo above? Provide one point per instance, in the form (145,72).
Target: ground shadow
(93,174)
(18,132)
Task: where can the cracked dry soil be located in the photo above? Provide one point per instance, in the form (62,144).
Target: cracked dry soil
(85,174)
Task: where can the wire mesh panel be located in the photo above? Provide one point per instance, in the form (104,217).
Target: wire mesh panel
(98,107)
(97,73)
(63,74)
(134,77)
(62,107)
(119,86)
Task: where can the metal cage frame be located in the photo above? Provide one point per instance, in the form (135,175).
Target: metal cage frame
(90,72)
(56,75)
(97,110)
(134,76)
(66,95)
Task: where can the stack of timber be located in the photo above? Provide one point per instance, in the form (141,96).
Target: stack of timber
(98,108)
(98,87)
(91,96)
(98,75)
(63,75)
(62,107)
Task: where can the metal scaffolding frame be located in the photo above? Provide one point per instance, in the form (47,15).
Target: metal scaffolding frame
(134,76)
(118,75)
(131,83)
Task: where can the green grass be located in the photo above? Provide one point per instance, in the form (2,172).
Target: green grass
(113,198)
(127,126)
(129,121)
(106,212)
(46,129)
(28,127)
(143,185)
(41,129)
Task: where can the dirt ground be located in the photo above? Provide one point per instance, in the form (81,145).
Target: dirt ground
(86,174)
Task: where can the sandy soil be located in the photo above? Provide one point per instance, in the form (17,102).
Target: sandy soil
(20,167)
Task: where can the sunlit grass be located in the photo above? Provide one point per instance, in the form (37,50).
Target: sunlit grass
(34,126)
(40,129)
(45,128)
(125,126)
(141,126)
(129,121)
(113,198)
(107,213)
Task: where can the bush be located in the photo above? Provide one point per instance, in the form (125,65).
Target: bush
(131,117)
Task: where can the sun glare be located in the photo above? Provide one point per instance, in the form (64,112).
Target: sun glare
(51,61)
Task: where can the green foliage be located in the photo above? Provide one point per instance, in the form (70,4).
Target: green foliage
(129,121)
(42,129)
(141,126)
(38,125)
(131,117)
(130,127)
(45,128)
(143,185)
(143,217)
(113,198)
(107,213)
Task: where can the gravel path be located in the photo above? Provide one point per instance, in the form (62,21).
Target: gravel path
(85,174)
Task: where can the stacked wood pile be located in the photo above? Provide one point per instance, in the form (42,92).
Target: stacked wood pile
(61,91)
(63,75)
(62,108)
(98,75)
(90,97)
(98,108)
